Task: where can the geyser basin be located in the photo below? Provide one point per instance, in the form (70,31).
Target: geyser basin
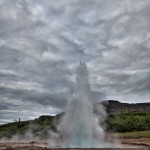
(42,146)
(97,149)
(80,127)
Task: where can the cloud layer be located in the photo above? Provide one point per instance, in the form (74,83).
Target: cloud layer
(42,41)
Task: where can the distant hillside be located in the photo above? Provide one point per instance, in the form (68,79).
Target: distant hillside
(113,106)
(121,117)
(116,107)
(29,129)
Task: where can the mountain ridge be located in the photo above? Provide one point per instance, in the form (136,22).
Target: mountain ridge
(111,107)
(114,106)
(120,117)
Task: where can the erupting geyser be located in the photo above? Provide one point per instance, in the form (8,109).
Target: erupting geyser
(80,127)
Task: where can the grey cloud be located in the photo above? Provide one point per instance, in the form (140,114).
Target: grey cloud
(97,96)
(141,86)
(3,107)
(43,98)
(41,43)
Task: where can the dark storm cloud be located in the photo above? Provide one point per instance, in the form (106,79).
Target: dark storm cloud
(42,41)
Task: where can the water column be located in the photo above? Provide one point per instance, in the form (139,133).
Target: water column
(79,127)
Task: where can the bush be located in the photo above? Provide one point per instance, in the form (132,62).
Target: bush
(127,122)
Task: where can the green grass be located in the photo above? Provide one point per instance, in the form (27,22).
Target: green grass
(137,134)
(38,127)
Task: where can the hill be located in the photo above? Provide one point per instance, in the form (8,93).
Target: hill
(113,106)
(122,117)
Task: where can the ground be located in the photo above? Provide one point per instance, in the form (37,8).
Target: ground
(127,144)
(139,140)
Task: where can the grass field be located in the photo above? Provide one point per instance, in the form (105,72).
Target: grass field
(137,134)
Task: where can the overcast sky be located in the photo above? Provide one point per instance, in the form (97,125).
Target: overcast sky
(42,42)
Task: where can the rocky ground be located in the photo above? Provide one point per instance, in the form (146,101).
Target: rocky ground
(127,144)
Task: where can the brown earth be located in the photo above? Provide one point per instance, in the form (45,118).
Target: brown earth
(127,144)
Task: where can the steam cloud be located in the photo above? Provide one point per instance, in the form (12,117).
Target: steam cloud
(80,126)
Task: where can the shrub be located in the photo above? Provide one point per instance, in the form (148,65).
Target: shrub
(127,122)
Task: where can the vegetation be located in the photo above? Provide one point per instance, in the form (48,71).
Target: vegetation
(135,134)
(38,127)
(127,122)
